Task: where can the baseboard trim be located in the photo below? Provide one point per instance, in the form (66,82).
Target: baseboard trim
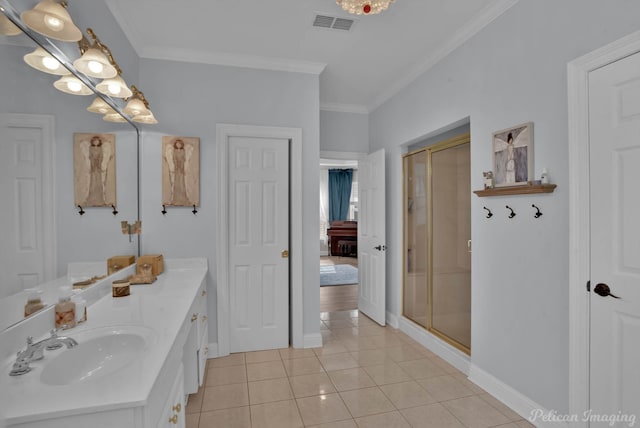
(213,350)
(516,401)
(452,355)
(313,340)
(392,320)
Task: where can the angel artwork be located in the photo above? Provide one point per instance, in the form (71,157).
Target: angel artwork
(94,169)
(180,171)
(513,155)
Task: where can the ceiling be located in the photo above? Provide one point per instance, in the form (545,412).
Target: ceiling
(359,68)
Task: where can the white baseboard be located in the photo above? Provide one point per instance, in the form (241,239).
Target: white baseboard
(516,401)
(452,355)
(213,350)
(313,340)
(392,320)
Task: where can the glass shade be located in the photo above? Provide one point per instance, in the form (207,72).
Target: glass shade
(42,61)
(95,63)
(7,27)
(114,117)
(114,87)
(146,118)
(72,85)
(51,19)
(135,107)
(100,106)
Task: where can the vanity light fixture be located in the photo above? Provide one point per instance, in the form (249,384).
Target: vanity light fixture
(138,108)
(136,104)
(100,106)
(41,60)
(114,87)
(96,60)
(72,85)
(52,20)
(145,118)
(114,117)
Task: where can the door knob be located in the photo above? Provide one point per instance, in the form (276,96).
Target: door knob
(284,254)
(380,247)
(604,291)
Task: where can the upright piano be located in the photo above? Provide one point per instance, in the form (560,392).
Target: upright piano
(343,238)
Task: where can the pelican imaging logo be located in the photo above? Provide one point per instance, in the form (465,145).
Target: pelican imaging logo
(618,419)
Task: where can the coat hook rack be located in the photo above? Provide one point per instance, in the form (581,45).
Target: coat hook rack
(538,213)
(164,210)
(513,214)
(115,211)
(195,211)
(81,212)
(489,213)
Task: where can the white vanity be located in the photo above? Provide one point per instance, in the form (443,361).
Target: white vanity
(136,359)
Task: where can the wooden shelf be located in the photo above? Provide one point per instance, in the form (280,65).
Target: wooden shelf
(516,190)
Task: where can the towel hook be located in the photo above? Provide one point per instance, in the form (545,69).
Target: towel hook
(489,213)
(115,211)
(538,213)
(81,212)
(195,211)
(513,214)
(164,210)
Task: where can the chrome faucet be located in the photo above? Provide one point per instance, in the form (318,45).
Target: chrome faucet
(35,351)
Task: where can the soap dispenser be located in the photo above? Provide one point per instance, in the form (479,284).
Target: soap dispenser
(65,310)
(34,301)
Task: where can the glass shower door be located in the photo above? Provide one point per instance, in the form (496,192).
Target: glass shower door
(450,210)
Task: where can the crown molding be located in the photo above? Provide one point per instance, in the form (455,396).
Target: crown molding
(344,108)
(480,21)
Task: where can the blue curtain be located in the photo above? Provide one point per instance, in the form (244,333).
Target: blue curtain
(339,193)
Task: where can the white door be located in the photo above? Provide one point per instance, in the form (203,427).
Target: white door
(614,128)
(24,246)
(258,243)
(372,237)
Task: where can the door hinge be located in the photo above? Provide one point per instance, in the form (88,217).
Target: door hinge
(589,286)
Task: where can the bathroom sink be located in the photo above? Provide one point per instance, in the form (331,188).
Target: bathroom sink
(100,352)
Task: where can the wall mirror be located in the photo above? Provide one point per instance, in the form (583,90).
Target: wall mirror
(38,123)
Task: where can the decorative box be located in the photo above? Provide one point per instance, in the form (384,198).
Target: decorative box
(154,261)
(116,263)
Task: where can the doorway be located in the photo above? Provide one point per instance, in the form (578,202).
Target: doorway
(26,162)
(294,306)
(339,262)
(604,271)
(437,231)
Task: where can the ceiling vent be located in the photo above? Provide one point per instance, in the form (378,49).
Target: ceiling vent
(333,23)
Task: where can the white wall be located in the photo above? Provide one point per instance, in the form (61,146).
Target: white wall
(189,100)
(512,72)
(344,132)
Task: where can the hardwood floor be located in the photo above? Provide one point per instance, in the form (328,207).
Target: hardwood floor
(338,297)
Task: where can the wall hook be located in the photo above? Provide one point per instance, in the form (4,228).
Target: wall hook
(195,211)
(115,211)
(489,213)
(513,214)
(81,210)
(538,213)
(164,210)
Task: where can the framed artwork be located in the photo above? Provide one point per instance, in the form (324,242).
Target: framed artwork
(513,155)
(180,171)
(94,169)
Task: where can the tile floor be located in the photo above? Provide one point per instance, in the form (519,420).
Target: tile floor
(364,376)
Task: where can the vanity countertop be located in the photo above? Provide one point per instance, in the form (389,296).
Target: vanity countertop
(160,307)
